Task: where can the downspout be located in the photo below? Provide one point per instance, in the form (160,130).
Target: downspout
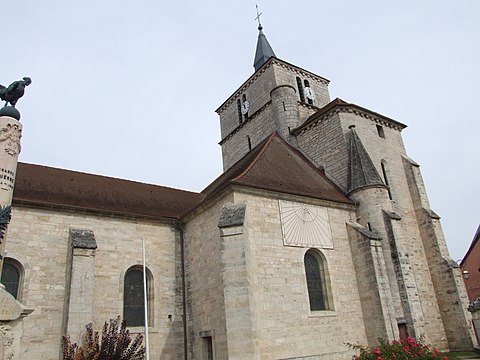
(184,292)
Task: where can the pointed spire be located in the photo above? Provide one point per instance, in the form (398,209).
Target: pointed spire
(361,171)
(264,50)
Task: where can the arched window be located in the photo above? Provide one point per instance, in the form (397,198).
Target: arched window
(317,281)
(300,89)
(133,299)
(239,110)
(12,276)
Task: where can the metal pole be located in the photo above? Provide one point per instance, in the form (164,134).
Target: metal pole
(145,300)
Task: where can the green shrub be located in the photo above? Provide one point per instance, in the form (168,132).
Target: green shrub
(398,350)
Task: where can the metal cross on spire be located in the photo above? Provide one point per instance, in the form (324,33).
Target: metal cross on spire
(258,18)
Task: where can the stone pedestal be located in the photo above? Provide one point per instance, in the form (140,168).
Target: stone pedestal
(11,312)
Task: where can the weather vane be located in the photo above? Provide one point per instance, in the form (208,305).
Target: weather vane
(258,18)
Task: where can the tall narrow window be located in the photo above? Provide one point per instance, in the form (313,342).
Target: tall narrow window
(239,109)
(12,274)
(385,178)
(245,106)
(380,131)
(133,299)
(249,143)
(300,89)
(317,281)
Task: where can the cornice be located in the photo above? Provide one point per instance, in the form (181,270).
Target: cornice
(267,193)
(295,69)
(237,93)
(300,71)
(18,204)
(250,118)
(350,109)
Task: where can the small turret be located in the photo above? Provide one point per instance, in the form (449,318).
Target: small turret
(361,171)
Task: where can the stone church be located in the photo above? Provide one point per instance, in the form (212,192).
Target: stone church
(318,233)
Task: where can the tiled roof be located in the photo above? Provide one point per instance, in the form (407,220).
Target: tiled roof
(273,165)
(47,186)
(277,166)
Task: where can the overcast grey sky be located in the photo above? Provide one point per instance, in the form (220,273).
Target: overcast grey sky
(128,88)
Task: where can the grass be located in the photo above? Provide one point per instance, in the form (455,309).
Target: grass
(458,355)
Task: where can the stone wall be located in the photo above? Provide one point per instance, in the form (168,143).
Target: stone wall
(38,239)
(325,146)
(286,75)
(285,327)
(407,248)
(257,128)
(274,105)
(257,91)
(204,282)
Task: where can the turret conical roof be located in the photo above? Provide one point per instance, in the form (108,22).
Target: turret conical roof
(361,171)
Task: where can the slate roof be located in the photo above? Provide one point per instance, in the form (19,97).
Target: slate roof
(47,186)
(361,171)
(277,166)
(264,50)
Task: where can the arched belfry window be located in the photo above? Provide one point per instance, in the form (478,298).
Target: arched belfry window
(133,299)
(12,276)
(239,111)
(300,89)
(318,283)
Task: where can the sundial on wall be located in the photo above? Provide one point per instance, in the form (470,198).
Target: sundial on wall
(305,225)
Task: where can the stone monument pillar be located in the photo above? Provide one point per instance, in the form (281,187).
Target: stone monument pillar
(11,311)
(10,134)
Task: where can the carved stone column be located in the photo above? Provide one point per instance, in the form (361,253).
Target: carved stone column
(11,311)
(10,134)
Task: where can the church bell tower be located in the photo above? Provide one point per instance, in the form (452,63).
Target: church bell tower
(278,97)
(409,280)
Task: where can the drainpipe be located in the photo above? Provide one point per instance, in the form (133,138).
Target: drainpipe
(184,291)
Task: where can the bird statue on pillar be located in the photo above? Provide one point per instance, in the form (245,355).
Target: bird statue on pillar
(15,91)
